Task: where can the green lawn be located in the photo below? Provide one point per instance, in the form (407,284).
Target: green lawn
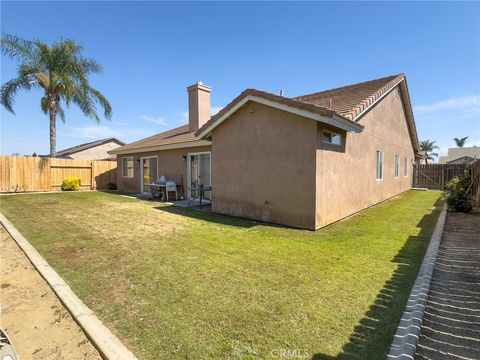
(178,283)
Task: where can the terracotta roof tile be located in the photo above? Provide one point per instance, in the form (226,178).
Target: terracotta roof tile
(174,136)
(350,101)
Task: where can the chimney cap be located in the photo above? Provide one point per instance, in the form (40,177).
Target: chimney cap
(199,85)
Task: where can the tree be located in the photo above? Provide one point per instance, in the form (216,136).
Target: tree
(429,146)
(460,142)
(60,71)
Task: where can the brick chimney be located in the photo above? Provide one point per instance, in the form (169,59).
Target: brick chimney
(198,105)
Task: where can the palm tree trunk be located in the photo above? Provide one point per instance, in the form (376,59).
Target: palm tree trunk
(53,129)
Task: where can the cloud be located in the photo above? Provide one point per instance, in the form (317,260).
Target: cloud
(158,120)
(215,109)
(94,132)
(105,131)
(466,105)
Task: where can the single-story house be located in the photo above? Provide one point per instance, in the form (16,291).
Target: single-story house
(305,161)
(463,155)
(94,150)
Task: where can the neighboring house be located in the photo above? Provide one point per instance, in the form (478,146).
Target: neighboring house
(464,155)
(305,162)
(421,157)
(95,150)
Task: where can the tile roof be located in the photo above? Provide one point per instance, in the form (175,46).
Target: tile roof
(175,136)
(292,102)
(350,101)
(89,145)
(347,103)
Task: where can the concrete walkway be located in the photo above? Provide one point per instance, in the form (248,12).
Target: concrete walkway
(451,325)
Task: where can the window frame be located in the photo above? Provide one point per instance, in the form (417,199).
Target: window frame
(125,160)
(332,133)
(396,169)
(381,163)
(405,171)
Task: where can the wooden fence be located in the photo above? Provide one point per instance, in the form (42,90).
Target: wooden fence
(436,176)
(475,174)
(22,173)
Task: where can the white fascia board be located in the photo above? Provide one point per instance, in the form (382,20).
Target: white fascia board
(188,144)
(336,120)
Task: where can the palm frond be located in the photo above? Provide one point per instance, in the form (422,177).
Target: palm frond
(61,113)
(9,90)
(102,100)
(17,48)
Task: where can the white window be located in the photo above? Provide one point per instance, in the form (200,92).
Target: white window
(379,164)
(127,166)
(405,171)
(397,166)
(331,138)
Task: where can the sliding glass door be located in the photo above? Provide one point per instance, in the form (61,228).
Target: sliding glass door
(199,173)
(148,172)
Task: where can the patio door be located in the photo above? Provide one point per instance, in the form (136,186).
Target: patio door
(148,171)
(199,173)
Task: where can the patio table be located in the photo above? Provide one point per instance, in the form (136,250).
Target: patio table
(201,193)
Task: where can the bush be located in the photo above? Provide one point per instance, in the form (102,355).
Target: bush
(111,186)
(71,184)
(458,199)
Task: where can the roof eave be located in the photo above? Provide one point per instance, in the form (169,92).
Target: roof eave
(181,145)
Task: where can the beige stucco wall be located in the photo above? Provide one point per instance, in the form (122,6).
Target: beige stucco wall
(263,166)
(96,153)
(170,163)
(346,178)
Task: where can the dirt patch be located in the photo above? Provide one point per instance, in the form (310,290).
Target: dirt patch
(37,323)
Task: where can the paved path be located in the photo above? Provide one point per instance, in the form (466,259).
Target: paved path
(451,326)
(31,314)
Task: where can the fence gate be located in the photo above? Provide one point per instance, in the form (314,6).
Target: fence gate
(436,176)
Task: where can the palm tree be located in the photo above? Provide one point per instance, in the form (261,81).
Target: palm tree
(460,142)
(429,146)
(60,71)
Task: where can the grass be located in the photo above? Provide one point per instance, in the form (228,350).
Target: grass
(178,283)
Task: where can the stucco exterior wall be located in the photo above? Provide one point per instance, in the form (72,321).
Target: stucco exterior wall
(170,163)
(95,153)
(346,178)
(263,166)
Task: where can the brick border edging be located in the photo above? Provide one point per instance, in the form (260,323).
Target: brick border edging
(404,344)
(107,344)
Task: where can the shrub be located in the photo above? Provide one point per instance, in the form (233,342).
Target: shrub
(458,199)
(111,186)
(71,184)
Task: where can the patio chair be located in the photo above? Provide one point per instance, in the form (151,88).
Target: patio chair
(171,186)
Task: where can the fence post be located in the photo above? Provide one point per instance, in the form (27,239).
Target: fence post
(48,169)
(92,172)
(414,175)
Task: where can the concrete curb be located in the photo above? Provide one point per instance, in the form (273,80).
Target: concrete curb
(404,344)
(107,344)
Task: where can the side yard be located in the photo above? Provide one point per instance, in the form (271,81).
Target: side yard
(178,283)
